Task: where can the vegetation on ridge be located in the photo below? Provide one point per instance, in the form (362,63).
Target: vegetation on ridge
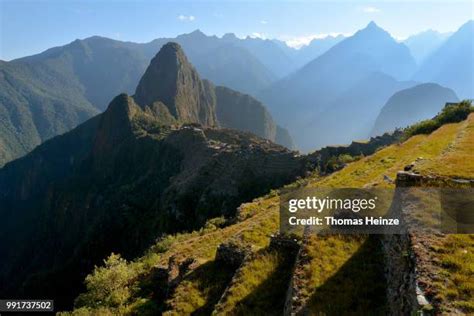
(329,259)
(451,113)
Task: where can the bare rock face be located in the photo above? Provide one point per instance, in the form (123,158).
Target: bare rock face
(172,80)
(241,111)
(173,83)
(115,123)
(231,254)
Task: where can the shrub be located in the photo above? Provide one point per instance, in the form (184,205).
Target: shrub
(451,113)
(108,286)
(338,162)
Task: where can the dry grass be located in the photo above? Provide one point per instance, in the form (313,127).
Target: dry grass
(342,273)
(456,260)
(259,287)
(388,161)
(457,160)
(200,290)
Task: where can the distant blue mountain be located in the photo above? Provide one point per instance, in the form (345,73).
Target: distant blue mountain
(423,44)
(351,116)
(300,97)
(452,64)
(274,56)
(307,53)
(411,105)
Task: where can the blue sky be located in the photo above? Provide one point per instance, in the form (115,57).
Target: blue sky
(29,27)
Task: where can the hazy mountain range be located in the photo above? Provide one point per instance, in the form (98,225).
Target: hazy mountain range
(421,45)
(452,64)
(337,96)
(299,99)
(112,144)
(411,105)
(48,94)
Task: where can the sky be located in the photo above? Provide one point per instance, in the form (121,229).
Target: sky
(30,27)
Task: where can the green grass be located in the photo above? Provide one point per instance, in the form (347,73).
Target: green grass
(344,273)
(260,286)
(457,160)
(341,273)
(338,266)
(455,258)
(200,290)
(388,161)
(261,221)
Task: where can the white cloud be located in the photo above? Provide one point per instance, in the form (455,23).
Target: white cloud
(400,38)
(258,35)
(263,22)
(371,10)
(188,18)
(300,41)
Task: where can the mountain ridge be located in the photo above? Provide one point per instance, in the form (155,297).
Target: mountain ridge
(88,74)
(410,105)
(452,65)
(172,80)
(296,99)
(134,168)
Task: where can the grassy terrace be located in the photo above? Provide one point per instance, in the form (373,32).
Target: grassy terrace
(343,273)
(338,270)
(195,294)
(260,284)
(454,254)
(454,286)
(457,161)
(370,170)
(329,258)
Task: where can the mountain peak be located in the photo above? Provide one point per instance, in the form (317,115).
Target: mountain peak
(172,48)
(171,79)
(372,29)
(229,36)
(197,33)
(372,24)
(161,76)
(115,123)
(468,26)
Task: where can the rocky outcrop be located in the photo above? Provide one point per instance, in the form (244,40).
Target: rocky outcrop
(282,242)
(408,178)
(284,138)
(295,301)
(231,255)
(242,112)
(409,263)
(172,80)
(166,278)
(400,272)
(320,157)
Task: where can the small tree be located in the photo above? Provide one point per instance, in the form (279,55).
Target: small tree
(108,286)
